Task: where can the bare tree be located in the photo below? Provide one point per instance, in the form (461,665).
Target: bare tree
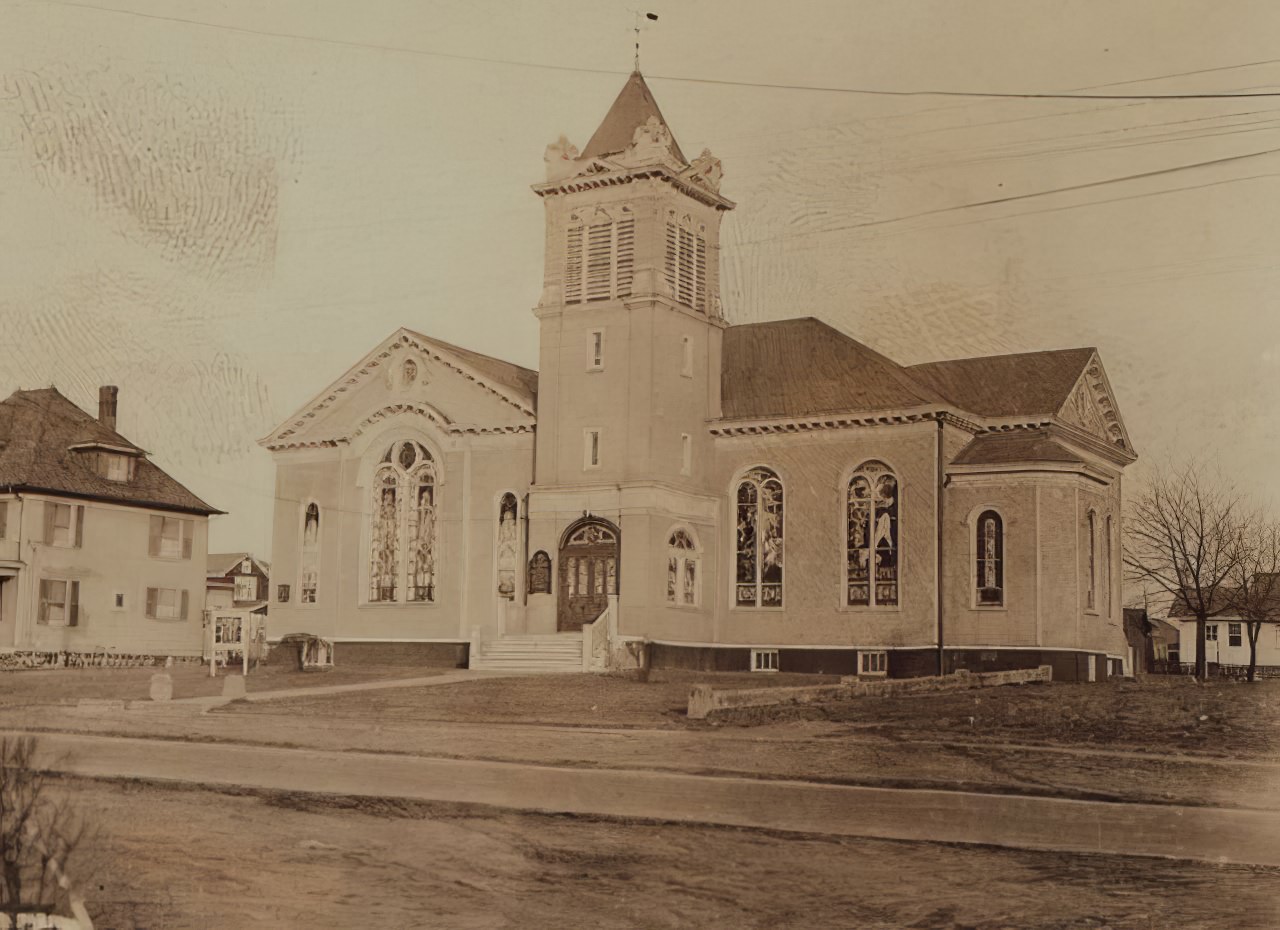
(1254,594)
(1182,536)
(39,834)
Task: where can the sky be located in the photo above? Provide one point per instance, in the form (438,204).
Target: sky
(220,205)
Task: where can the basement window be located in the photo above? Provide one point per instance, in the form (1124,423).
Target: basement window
(874,663)
(764,660)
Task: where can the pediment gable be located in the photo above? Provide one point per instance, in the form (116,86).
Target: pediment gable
(453,389)
(1091,406)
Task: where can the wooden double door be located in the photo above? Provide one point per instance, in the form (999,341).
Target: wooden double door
(588,573)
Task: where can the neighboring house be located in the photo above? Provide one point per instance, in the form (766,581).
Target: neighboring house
(768,496)
(1226,636)
(1164,641)
(99,548)
(1137,632)
(236,580)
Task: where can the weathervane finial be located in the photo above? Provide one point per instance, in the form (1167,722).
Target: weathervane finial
(653,18)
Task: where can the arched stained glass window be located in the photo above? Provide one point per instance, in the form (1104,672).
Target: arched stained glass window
(683,569)
(309,582)
(990,559)
(508,545)
(872,549)
(1091,594)
(403,530)
(758,579)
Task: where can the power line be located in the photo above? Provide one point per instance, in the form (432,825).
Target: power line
(724,82)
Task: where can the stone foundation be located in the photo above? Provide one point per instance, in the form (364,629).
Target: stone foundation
(13,661)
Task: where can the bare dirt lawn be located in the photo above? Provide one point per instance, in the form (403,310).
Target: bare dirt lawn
(191,858)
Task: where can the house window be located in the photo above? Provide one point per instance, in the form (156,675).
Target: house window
(595,360)
(170,538)
(4,519)
(59,602)
(686,365)
(874,663)
(758,580)
(599,256)
(1211,632)
(167,603)
(1234,635)
(683,569)
(119,601)
(686,454)
(871,562)
(246,588)
(114,467)
(591,448)
(403,526)
(764,660)
(282,594)
(1090,594)
(686,261)
(63,525)
(310,555)
(990,560)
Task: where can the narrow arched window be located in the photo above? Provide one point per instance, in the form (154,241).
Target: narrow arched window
(1107,573)
(309,582)
(508,545)
(872,550)
(403,526)
(1091,596)
(990,560)
(758,580)
(684,569)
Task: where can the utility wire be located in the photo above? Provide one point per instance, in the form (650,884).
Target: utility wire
(724,82)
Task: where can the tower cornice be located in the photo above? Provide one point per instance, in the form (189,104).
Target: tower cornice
(612,178)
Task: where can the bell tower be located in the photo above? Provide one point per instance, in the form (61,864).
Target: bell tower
(631,325)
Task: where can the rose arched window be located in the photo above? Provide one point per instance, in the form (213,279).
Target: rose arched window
(990,559)
(402,562)
(683,569)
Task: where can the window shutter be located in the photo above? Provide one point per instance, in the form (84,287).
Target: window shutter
(185,600)
(626,257)
(73,603)
(43,615)
(157,527)
(599,260)
(573,266)
(700,276)
(79,526)
(187,532)
(152,595)
(50,510)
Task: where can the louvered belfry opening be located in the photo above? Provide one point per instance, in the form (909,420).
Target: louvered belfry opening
(686,261)
(600,256)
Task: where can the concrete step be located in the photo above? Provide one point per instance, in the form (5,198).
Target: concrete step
(550,653)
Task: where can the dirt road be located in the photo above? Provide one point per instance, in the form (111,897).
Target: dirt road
(1209,834)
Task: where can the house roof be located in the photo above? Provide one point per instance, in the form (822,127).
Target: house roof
(631,110)
(803,366)
(1022,384)
(38,429)
(222,563)
(1220,604)
(508,374)
(1024,445)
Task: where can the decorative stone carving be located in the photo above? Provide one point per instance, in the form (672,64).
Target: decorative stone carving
(706,170)
(559,158)
(651,143)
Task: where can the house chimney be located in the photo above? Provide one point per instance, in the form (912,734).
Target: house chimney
(107,405)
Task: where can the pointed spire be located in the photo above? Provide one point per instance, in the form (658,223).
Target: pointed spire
(634,108)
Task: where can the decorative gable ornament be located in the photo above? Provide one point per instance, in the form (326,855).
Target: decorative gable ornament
(705,171)
(651,143)
(561,159)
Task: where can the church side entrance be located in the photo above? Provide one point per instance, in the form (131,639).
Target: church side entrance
(588,573)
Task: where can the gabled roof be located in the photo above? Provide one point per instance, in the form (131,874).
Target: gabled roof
(1022,384)
(221,563)
(38,429)
(1014,447)
(631,110)
(803,366)
(508,374)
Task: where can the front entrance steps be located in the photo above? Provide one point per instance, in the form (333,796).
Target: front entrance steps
(557,652)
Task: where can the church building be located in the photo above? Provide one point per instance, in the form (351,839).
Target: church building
(672,489)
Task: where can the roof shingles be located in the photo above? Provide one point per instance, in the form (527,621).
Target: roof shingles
(38,429)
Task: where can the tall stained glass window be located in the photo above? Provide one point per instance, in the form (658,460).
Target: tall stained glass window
(758,579)
(402,564)
(872,548)
(990,559)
